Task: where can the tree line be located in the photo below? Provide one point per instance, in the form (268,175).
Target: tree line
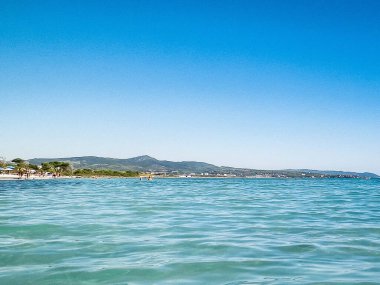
(56,168)
(60,168)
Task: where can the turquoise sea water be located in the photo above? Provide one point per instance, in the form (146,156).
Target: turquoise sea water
(190,231)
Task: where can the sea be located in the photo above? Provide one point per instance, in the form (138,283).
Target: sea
(190,231)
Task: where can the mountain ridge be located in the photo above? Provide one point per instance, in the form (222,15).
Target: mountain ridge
(146,163)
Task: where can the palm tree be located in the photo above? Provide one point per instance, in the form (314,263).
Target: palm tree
(22,167)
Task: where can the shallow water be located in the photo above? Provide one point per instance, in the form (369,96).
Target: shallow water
(190,231)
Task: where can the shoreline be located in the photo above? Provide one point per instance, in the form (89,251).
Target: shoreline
(12,177)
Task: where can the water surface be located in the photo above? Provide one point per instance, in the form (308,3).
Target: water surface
(190,231)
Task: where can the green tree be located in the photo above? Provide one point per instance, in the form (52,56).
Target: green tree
(18,160)
(46,167)
(57,167)
(36,168)
(22,167)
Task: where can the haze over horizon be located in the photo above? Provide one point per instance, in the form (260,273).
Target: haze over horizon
(250,84)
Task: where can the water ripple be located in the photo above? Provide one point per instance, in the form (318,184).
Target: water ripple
(190,231)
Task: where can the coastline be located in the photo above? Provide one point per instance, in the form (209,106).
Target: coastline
(13,177)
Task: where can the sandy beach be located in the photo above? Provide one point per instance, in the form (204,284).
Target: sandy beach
(17,177)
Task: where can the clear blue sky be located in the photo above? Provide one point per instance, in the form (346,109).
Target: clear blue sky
(260,84)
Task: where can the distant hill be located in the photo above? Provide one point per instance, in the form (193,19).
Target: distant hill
(139,163)
(334,172)
(147,163)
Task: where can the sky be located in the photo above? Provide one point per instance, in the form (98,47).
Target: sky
(258,84)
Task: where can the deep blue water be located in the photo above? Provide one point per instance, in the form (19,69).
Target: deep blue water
(190,231)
